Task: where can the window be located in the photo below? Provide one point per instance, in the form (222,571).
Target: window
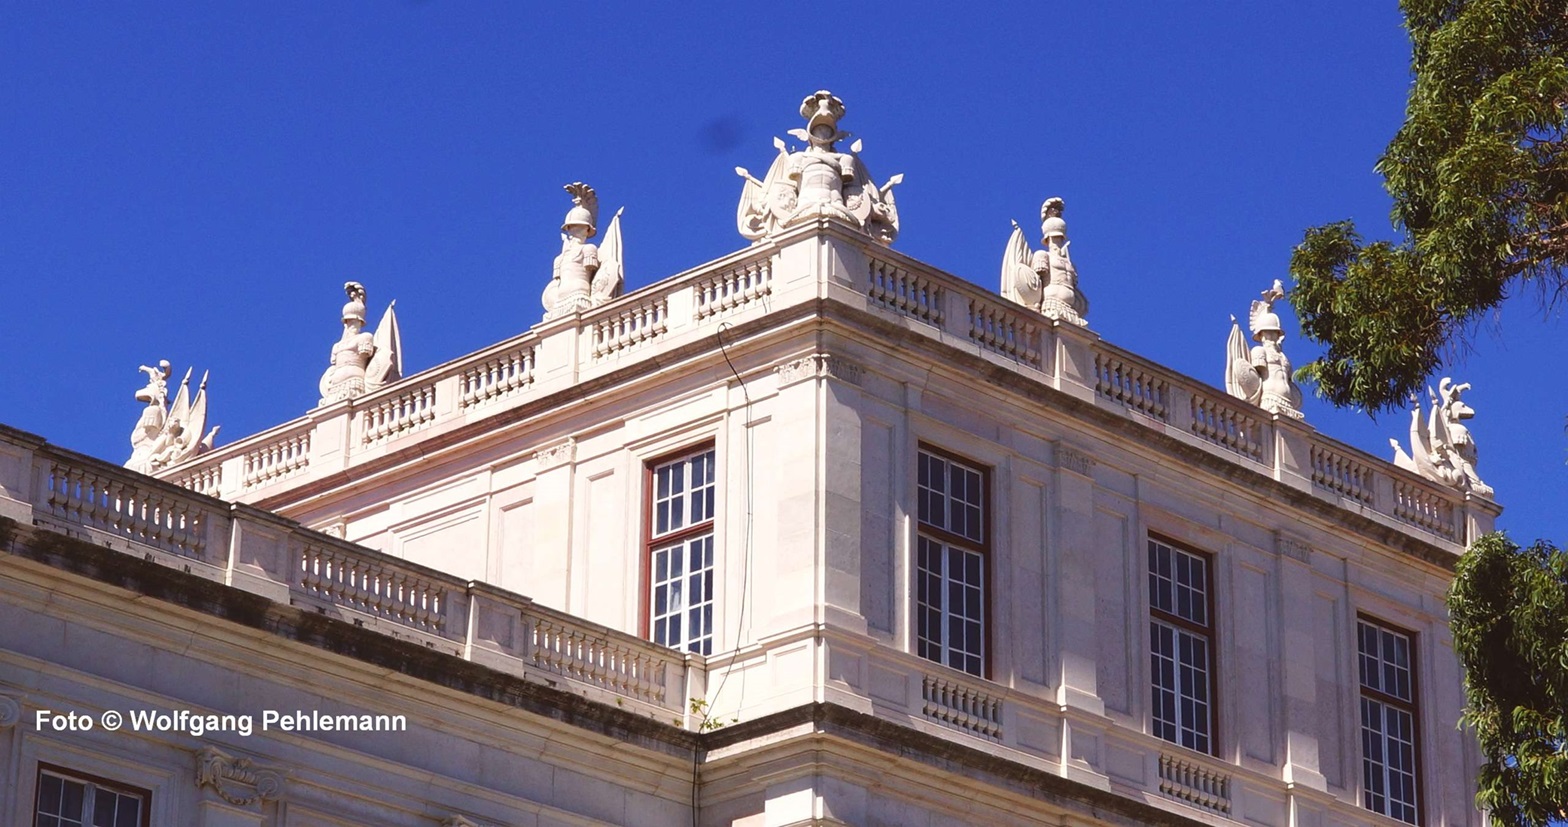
(950,565)
(66,800)
(680,552)
(1388,721)
(1181,647)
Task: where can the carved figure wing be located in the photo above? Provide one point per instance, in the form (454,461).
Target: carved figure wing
(611,273)
(1020,283)
(1437,425)
(1426,443)
(751,215)
(195,423)
(386,364)
(180,411)
(1241,379)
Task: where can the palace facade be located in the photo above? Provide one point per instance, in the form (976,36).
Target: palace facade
(813,534)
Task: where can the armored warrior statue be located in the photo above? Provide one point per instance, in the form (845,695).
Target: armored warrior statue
(1443,452)
(362,362)
(818,181)
(584,275)
(168,435)
(1045,280)
(1262,377)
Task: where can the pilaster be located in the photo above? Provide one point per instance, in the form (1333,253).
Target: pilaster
(1077,685)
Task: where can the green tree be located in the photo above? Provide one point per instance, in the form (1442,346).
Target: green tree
(1479,179)
(1509,611)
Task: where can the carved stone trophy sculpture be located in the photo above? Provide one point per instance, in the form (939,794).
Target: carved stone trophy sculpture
(817,182)
(1262,376)
(1045,280)
(584,276)
(169,434)
(362,362)
(1444,451)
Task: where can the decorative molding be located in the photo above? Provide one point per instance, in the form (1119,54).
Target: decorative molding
(1069,458)
(1293,548)
(458,821)
(336,528)
(237,780)
(819,365)
(10,711)
(557,455)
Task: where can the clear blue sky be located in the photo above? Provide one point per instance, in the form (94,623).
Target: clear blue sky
(195,182)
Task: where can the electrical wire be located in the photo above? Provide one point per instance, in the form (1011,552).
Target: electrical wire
(745,590)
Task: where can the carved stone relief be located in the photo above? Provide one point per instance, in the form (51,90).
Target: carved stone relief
(237,780)
(556,455)
(819,364)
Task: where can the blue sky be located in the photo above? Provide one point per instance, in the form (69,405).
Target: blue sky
(195,183)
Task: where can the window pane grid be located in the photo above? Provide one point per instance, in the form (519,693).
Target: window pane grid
(1180,649)
(67,802)
(682,611)
(1388,748)
(950,563)
(950,590)
(951,497)
(681,593)
(683,493)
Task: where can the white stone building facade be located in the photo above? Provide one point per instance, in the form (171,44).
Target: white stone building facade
(811,534)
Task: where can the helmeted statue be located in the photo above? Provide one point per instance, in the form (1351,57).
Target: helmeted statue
(818,181)
(1262,376)
(1443,452)
(1045,280)
(168,435)
(584,275)
(362,362)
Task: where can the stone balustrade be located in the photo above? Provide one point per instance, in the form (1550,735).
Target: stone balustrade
(259,552)
(1022,724)
(1077,361)
(776,275)
(1198,781)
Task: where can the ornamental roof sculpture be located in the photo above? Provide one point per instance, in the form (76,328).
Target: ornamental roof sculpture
(361,362)
(1045,280)
(1262,376)
(817,182)
(584,275)
(169,434)
(1443,452)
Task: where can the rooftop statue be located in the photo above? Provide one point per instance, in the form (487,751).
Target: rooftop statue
(362,362)
(818,181)
(1044,280)
(1443,452)
(584,275)
(1262,376)
(168,435)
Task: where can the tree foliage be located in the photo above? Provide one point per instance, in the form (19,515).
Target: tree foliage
(1509,614)
(1479,179)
